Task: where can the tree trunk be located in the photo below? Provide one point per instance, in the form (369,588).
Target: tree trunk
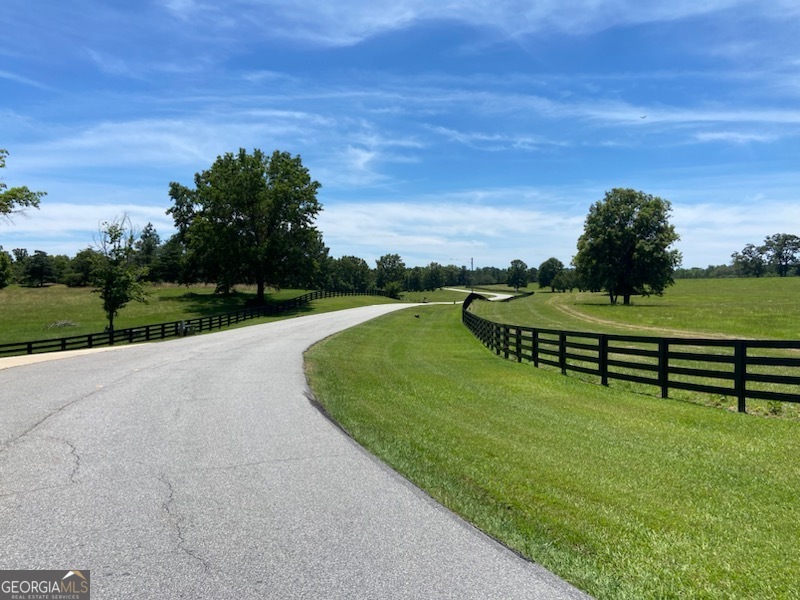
(260,291)
(626,299)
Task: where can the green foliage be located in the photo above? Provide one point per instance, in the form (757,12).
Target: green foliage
(5,268)
(118,278)
(517,275)
(624,248)
(39,269)
(781,251)
(349,273)
(250,218)
(750,262)
(16,199)
(80,269)
(565,280)
(389,268)
(548,271)
(394,289)
(624,495)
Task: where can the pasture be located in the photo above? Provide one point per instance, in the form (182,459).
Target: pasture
(28,314)
(765,308)
(624,495)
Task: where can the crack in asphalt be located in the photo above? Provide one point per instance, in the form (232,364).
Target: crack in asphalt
(176,520)
(74,453)
(4,446)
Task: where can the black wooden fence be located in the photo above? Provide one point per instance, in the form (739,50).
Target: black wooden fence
(754,369)
(160,331)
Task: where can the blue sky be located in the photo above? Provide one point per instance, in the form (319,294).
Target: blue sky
(442,131)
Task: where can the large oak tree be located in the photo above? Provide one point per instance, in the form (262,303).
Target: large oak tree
(625,246)
(250,218)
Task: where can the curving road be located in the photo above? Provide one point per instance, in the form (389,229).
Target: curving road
(197,468)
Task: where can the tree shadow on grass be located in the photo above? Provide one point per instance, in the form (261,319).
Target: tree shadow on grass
(204,305)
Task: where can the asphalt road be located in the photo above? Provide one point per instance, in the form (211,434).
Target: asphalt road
(198,468)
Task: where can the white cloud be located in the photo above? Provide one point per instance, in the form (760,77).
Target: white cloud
(453,226)
(350,21)
(734,137)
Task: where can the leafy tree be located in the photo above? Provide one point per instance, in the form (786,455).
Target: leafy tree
(625,246)
(351,273)
(147,247)
(39,269)
(20,264)
(414,279)
(517,274)
(16,199)
(389,268)
(79,273)
(750,262)
(250,217)
(548,271)
(781,251)
(172,263)
(464,277)
(61,266)
(118,278)
(5,268)
(433,276)
(567,279)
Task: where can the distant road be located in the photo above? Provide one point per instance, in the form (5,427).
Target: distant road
(492,295)
(197,468)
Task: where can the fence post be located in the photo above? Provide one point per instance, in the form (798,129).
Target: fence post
(603,359)
(740,373)
(663,367)
(535,347)
(562,351)
(505,341)
(518,342)
(496,338)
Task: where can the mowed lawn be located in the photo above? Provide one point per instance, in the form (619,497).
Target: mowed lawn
(624,495)
(764,308)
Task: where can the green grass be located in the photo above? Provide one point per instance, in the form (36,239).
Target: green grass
(440,295)
(626,496)
(766,308)
(27,314)
(730,308)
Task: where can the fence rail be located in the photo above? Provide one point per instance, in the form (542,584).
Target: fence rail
(160,331)
(744,369)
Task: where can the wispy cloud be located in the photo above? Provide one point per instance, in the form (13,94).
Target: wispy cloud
(23,80)
(351,21)
(735,137)
(495,142)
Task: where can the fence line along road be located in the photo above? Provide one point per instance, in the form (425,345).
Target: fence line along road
(754,369)
(160,331)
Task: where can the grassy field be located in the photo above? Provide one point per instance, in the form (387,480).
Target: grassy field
(626,496)
(28,314)
(767,308)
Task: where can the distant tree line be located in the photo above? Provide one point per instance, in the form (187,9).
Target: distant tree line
(778,256)
(250,219)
